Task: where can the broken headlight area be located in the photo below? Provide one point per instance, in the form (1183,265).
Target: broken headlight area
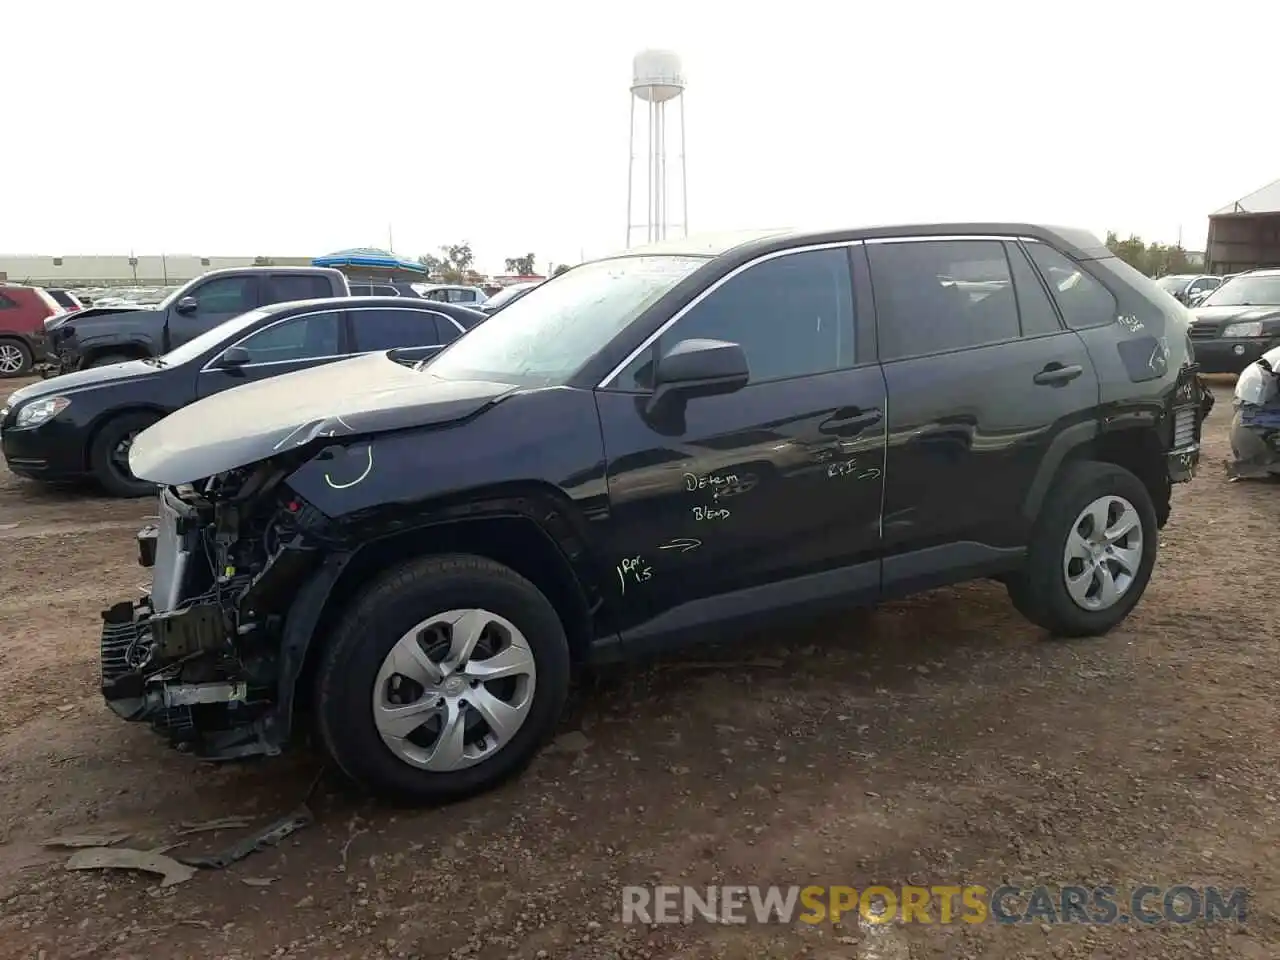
(1255,425)
(197,656)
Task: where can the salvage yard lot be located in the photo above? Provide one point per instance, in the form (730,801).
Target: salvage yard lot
(938,740)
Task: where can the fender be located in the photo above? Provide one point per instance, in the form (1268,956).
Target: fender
(312,598)
(1070,438)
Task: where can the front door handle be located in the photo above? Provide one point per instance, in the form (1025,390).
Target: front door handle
(849,421)
(1055,374)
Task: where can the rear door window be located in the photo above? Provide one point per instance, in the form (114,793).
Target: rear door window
(1082,299)
(299,286)
(934,296)
(391,327)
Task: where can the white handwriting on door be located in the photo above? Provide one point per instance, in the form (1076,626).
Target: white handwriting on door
(849,468)
(633,569)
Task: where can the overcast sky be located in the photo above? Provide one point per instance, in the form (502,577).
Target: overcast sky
(286,128)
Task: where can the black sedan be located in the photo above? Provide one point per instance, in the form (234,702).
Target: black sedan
(81,424)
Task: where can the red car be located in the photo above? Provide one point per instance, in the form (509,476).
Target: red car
(22,338)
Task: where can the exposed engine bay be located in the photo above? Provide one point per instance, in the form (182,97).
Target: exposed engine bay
(1255,426)
(197,657)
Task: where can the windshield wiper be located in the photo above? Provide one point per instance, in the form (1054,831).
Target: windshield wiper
(155,361)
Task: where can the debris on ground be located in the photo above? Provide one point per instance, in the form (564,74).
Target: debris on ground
(86,840)
(209,826)
(123,858)
(269,836)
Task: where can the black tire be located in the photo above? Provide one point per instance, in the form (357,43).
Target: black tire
(106,359)
(373,623)
(111,475)
(13,347)
(1039,591)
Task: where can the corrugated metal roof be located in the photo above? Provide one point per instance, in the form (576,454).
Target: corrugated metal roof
(1263,200)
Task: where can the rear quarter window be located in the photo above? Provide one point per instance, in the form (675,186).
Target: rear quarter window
(1081,297)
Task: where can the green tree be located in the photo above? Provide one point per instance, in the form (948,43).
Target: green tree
(1154,259)
(453,265)
(521,265)
(560,269)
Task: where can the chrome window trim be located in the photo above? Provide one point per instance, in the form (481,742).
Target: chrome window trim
(925,238)
(741,268)
(207,368)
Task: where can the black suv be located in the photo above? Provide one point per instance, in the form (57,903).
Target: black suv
(660,447)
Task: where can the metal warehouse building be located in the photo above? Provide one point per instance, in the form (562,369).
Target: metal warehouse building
(1245,234)
(105,271)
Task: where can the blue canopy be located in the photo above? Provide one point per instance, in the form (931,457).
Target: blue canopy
(368,257)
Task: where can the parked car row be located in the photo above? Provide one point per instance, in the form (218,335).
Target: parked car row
(648,450)
(129,368)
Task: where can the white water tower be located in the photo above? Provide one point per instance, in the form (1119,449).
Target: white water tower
(657,79)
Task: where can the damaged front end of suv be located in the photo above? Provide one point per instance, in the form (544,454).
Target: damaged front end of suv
(200,656)
(266,494)
(1255,425)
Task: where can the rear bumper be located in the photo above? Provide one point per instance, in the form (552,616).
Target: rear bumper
(1229,356)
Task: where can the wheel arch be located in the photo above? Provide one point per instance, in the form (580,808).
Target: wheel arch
(134,349)
(100,422)
(511,539)
(1135,445)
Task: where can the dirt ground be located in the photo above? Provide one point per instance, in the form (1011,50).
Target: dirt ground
(933,741)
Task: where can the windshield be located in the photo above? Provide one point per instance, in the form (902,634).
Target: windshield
(1172,284)
(550,333)
(1246,292)
(211,338)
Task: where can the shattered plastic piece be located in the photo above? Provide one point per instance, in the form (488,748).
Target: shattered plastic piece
(86,840)
(257,881)
(268,837)
(122,858)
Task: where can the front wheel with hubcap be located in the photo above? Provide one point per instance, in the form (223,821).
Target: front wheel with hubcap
(109,455)
(1091,553)
(442,679)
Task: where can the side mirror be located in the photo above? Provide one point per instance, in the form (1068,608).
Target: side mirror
(699,368)
(232,357)
(188,305)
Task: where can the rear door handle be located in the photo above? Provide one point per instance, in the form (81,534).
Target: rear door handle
(1055,374)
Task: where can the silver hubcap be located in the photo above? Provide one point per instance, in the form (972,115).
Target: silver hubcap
(1103,553)
(10,358)
(454,690)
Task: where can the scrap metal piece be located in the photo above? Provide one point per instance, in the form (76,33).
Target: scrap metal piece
(271,835)
(86,840)
(122,858)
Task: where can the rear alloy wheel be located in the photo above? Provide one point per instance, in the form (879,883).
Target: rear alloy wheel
(442,679)
(109,455)
(15,359)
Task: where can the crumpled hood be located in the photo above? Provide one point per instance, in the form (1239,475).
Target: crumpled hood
(360,396)
(1244,314)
